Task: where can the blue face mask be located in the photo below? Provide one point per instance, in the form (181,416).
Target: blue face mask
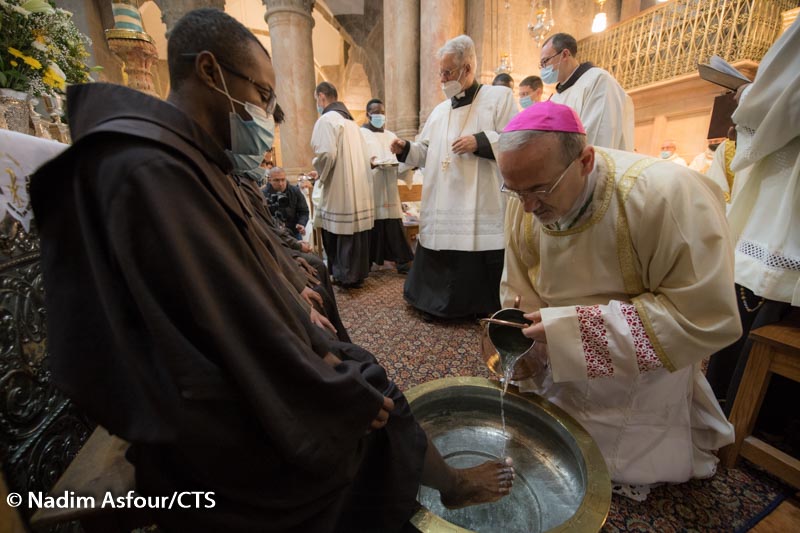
(320,109)
(377,121)
(549,74)
(249,138)
(666,155)
(525,101)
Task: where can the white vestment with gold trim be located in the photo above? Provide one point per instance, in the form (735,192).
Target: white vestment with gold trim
(633,298)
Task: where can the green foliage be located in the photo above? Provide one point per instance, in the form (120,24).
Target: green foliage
(41,49)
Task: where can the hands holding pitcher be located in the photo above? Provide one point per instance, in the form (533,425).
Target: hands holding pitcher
(537,360)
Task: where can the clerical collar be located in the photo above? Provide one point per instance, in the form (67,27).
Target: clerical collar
(465,97)
(581,208)
(580,71)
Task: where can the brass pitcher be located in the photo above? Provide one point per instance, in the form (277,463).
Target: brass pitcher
(502,341)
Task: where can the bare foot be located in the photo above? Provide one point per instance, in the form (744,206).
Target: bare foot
(480,484)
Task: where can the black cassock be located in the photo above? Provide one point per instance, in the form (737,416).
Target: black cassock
(171,324)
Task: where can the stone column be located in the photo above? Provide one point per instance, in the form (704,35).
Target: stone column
(401,66)
(290,24)
(133,47)
(440,21)
(173,10)
(137,53)
(483,25)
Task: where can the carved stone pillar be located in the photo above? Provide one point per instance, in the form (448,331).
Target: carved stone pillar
(137,53)
(173,10)
(133,47)
(440,21)
(290,24)
(401,60)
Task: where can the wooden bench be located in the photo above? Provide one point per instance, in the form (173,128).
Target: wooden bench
(776,350)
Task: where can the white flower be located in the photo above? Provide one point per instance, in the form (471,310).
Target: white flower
(39,46)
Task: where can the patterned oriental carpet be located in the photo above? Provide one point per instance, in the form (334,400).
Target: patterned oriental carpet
(414,352)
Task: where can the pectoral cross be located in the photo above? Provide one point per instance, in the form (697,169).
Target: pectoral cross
(446,163)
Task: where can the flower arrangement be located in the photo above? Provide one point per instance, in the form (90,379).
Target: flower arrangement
(41,49)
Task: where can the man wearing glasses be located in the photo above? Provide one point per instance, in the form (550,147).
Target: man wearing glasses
(459,256)
(626,265)
(604,107)
(172,323)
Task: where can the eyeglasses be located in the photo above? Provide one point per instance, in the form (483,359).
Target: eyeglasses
(543,62)
(537,191)
(448,73)
(267,94)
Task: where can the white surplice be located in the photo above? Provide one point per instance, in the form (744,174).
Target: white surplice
(343,194)
(702,161)
(385,195)
(633,298)
(462,206)
(605,109)
(765,211)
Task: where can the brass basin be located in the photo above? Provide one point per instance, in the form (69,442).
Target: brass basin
(562,482)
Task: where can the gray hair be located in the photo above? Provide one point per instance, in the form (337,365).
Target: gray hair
(572,144)
(462,47)
(275,170)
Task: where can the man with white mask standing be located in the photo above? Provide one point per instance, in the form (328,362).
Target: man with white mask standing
(387,240)
(605,109)
(459,256)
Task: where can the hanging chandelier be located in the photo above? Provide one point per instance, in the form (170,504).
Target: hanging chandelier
(600,21)
(541,20)
(506,66)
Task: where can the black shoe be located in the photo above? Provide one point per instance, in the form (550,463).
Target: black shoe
(403,268)
(427,317)
(354,285)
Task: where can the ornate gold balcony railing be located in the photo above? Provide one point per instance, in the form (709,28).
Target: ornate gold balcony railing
(671,39)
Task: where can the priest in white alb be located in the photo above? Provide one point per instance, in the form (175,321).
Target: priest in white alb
(625,265)
(343,194)
(459,255)
(387,240)
(605,109)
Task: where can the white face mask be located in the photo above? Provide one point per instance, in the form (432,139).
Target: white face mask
(249,138)
(453,87)
(549,74)
(377,121)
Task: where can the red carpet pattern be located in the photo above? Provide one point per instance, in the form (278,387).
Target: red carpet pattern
(411,350)
(414,352)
